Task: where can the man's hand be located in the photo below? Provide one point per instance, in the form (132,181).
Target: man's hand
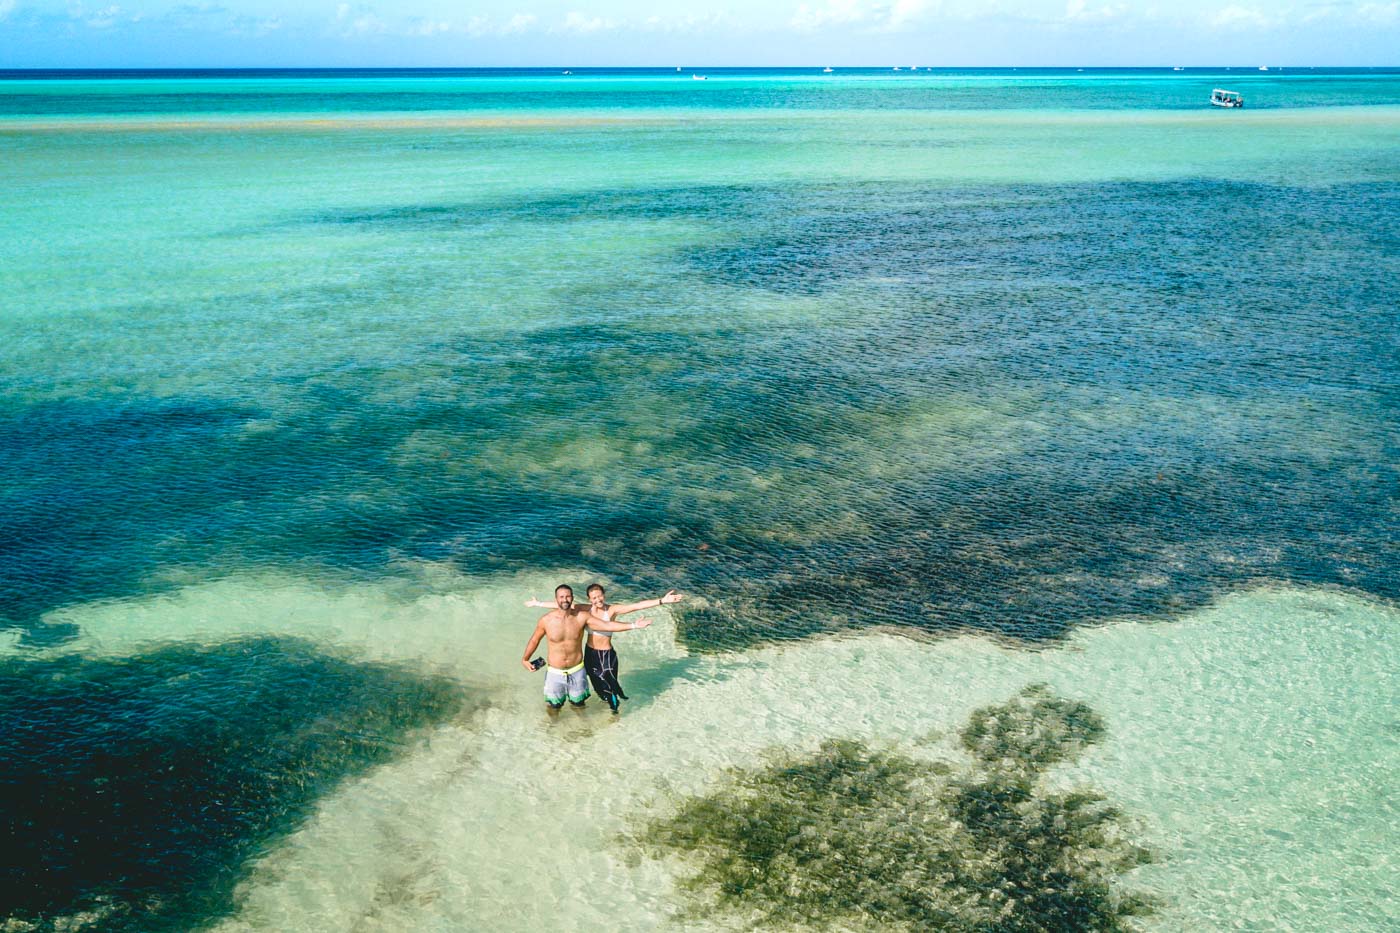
(672,597)
(525,663)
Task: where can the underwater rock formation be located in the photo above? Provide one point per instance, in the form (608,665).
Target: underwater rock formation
(852,834)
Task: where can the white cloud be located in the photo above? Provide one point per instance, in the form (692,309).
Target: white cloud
(690,23)
(479,26)
(1364,14)
(214,18)
(880,16)
(196,14)
(1241,16)
(902,12)
(857,22)
(1382,13)
(358,21)
(105,17)
(1079,11)
(582,23)
(1320,12)
(422,26)
(835,13)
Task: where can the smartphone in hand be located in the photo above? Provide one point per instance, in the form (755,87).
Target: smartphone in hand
(537,664)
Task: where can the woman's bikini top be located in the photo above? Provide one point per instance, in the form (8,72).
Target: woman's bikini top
(606,616)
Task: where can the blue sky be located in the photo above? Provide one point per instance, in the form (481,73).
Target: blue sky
(151,33)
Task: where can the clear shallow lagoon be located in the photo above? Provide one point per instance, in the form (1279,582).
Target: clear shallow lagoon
(329,373)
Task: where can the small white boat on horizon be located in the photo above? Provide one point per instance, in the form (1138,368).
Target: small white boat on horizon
(1263,67)
(697,77)
(826,70)
(1223,98)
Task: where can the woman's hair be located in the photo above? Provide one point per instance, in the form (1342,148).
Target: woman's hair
(594,586)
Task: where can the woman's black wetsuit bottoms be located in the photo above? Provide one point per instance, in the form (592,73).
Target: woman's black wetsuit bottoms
(602,673)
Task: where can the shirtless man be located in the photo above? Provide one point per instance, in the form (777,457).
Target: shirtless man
(563,627)
(599,657)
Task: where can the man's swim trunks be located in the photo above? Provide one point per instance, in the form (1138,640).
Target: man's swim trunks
(560,683)
(602,671)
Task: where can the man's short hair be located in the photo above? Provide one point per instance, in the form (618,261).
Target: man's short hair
(563,586)
(594,586)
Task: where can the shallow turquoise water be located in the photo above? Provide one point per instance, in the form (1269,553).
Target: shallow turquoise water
(79,94)
(986,352)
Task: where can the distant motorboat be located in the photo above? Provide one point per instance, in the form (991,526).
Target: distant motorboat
(678,67)
(1223,98)
(697,77)
(1176,68)
(826,70)
(897,68)
(1263,67)
(567,72)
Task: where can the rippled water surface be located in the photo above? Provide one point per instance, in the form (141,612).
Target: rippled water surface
(307,382)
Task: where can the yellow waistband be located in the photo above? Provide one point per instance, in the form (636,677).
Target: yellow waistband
(573,670)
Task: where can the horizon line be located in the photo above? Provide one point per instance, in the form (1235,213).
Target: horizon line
(669,68)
